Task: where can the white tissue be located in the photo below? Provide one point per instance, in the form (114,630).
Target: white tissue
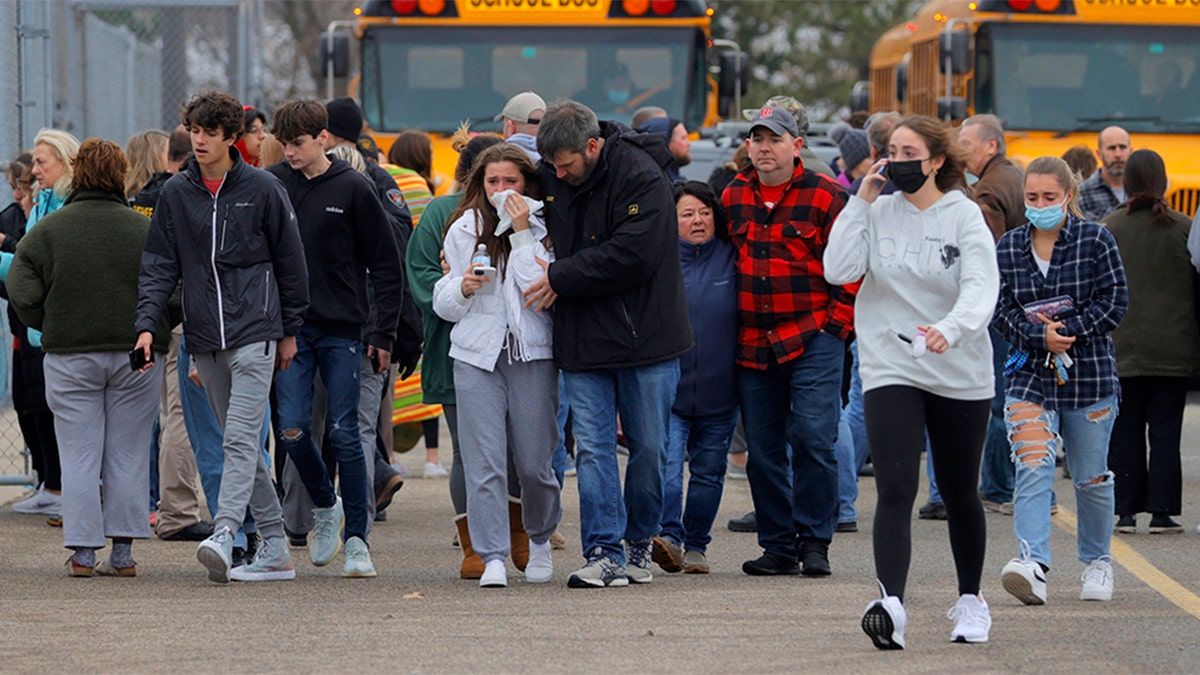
(498,200)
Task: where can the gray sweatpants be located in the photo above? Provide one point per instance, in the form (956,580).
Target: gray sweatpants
(237,383)
(103,415)
(297,505)
(514,406)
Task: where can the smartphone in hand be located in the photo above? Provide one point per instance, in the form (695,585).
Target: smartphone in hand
(137,359)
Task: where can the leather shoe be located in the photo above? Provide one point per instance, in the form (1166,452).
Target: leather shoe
(770,564)
(747,523)
(194,532)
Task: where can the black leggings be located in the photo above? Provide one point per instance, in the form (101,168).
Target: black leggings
(897,418)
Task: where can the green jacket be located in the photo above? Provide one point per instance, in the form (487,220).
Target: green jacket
(1158,336)
(75,276)
(423,266)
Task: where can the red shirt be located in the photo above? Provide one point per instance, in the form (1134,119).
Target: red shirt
(783,298)
(213,185)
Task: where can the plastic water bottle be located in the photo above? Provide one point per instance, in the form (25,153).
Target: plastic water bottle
(481,256)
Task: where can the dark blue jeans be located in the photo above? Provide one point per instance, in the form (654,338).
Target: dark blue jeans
(997,473)
(797,403)
(338,360)
(703,442)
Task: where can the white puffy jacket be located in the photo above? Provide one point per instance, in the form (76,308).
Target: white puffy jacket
(483,320)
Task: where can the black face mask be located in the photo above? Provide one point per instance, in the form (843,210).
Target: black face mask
(908,176)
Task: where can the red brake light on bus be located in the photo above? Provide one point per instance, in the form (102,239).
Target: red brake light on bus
(635,7)
(404,7)
(662,7)
(1046,5)
(431,7)
(1020,5)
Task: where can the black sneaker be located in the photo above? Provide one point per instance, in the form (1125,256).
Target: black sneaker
(194,532)
(769,564)
(932,511)
(1161,523)
(847,526)
(814,559)
(747,523)
(296,539)
(1126,525)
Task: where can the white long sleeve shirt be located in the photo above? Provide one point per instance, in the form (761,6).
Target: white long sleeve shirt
(936,268)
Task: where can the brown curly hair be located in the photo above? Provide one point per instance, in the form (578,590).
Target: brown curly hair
(99,165)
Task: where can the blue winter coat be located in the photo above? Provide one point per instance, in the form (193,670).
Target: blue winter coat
(707,380)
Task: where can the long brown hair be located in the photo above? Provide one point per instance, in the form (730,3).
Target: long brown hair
(939,138)
(475,199)
(413,149)
(1145,184)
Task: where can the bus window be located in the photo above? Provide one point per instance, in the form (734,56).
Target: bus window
(435,68)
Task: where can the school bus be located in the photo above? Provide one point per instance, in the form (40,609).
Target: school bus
(1057,72)
(432,64)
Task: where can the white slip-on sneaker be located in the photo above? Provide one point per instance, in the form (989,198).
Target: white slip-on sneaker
(494,575)
(540,568)
(1097,580)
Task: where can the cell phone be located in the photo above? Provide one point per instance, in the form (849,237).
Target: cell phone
(137,359)
(881,169)
(375,361)
(485,270)
(490,272)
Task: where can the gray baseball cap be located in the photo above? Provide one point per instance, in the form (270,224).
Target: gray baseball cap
(794,107)
(777,120)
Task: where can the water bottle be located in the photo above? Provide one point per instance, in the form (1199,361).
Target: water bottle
(481,256)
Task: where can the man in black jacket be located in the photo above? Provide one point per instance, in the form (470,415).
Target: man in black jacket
(347,240)
(179,147)
(620,324)
(228,231)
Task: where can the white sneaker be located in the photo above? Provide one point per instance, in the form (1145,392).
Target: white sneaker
(434,470)
(1097,580)
(884,621)
(971,618)
(358,563)
(1024,578)
(540,567)
(494,575)
(41,502)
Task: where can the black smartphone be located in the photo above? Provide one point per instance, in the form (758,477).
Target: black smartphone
(375,361)
(137,358)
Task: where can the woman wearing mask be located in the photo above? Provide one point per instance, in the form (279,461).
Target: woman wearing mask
(705,411)
(924,357)
(53,155)
(1062,293)
(75,278)
(505,380)
(1156,348)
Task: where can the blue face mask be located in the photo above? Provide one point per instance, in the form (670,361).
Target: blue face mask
(1045,218)
(619,97)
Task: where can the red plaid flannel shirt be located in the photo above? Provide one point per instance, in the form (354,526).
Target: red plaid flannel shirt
(783,297)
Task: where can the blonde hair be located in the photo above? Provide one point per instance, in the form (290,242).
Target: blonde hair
(352,156)
(145,154)
(65,147)
(1058,169)
(270,152)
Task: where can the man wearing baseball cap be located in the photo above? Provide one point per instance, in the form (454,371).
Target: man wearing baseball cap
(797,110)
(520,118)
(792,330)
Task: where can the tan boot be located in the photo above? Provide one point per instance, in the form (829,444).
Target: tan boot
(472,565)
(519,539)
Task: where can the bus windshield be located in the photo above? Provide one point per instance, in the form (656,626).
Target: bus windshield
(1079,78)
(435,78)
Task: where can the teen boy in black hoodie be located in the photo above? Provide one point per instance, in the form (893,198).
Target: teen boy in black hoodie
(346,239)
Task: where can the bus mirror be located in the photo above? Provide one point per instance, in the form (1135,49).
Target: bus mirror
(735,71)
(339,57)
(902,82)
(953,49)
(952,108)
(860,96)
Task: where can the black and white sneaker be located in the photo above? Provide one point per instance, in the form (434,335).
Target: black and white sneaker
(599,571)
(884,621)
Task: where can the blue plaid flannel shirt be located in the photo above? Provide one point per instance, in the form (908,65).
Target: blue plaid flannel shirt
(1096,199)
(1085,265)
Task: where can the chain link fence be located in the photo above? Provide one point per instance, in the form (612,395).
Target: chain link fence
(110,68)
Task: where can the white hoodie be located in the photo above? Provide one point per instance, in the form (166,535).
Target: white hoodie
(931,268)
(485,319)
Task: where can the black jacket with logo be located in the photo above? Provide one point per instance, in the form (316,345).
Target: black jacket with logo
(346,233)
(238,253)
(146,198)
(617,274)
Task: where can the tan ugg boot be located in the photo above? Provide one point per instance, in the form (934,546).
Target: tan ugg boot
(472,565)
(519,540)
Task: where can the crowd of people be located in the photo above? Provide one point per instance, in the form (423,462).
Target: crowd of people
(926,296)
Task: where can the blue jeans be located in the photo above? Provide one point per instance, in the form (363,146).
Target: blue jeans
(338,360)
(997,477)
(207,442)
(797,403)
(851,447)
(703,442)
(1037,435)
(560,458)
(643,397)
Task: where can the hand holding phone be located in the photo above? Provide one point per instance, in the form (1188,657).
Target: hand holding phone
(487,274)
(138,360)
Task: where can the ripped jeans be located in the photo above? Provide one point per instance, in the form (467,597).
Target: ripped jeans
(1036,434)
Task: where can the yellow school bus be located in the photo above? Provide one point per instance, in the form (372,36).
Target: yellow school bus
(1057,72)
(431,64)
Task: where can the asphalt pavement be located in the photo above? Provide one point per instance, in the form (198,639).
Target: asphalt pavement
(417,616)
